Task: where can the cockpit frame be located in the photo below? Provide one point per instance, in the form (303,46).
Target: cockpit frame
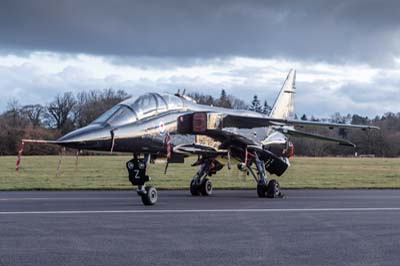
(135,109)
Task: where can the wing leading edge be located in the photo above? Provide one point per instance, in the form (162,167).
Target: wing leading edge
(298,133)
(252,122)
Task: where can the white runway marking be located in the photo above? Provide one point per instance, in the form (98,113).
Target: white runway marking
(203,211)
(78,198)
(381,197)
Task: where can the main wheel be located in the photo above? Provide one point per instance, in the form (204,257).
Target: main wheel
(150,197)
(273,189)
(261,189)
(194,188)
(206,187)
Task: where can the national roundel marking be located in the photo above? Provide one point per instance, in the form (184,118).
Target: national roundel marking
(161,127)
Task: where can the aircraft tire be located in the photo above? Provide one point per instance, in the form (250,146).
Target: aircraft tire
(206,187)
(273,189)
(194,188)
(150,197)
(261,189)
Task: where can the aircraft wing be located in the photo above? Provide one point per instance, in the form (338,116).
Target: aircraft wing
(293,122)
(204,121)
(252,122)
(298,133)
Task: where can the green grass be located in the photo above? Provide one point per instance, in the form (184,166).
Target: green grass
(109,172)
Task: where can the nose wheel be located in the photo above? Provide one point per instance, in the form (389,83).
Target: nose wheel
(137,176)
(148,196)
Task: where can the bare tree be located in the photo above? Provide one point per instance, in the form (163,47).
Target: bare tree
(92,104)
(33,113)
(60,111)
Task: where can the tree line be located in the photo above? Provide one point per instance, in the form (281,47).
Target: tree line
(69,111)
(64,113)
(381,143)
(229,101)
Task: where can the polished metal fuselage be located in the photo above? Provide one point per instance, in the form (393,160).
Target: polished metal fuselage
(148,135)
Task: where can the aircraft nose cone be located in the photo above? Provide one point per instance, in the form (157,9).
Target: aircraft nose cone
(89,137)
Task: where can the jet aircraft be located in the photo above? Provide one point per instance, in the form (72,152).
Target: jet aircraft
(153,125)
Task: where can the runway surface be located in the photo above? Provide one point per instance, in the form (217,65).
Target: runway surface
(308,227)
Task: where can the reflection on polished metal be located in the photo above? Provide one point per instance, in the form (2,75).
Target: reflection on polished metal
(166,125)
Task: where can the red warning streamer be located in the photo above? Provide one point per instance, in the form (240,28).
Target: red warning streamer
(168,142)
(247,155)
(20,150)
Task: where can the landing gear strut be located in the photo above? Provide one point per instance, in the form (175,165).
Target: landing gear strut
(137,176)
(269,189)
(200,184)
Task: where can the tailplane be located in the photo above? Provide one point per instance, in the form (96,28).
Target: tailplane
(284,104)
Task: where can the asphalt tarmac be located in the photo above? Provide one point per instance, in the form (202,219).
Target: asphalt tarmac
(308,227)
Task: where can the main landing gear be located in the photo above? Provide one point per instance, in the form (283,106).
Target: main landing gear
(137,176)
(200,184)
(269,189)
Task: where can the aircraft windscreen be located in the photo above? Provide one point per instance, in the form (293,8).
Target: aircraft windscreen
(104,117)
(122,116)
(118,115)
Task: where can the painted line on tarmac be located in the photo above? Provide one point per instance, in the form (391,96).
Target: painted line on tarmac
(70,198)
(380,197)
(202,211)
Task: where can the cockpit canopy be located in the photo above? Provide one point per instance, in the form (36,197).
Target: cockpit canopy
(134,109)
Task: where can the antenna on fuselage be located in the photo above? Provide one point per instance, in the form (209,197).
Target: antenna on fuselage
(179,94)
(183,96)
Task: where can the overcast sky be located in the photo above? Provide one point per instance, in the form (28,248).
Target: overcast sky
(346,53)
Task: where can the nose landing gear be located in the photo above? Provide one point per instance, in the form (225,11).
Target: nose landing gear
(137,176)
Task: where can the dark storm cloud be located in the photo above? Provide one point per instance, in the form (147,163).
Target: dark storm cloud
(339,31)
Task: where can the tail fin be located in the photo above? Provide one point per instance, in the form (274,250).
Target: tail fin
(284,104)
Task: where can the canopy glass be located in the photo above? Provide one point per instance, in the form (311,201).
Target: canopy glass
(141,107)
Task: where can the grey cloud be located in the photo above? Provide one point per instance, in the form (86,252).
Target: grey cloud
(334,31)
(375,98)
(165,62)
(381,92)
(29,86)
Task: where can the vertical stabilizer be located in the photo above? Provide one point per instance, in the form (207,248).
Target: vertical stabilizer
(284,104)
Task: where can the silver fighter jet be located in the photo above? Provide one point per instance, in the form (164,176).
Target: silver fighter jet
(175,126)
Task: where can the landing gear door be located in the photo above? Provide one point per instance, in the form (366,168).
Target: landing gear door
(137,172)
